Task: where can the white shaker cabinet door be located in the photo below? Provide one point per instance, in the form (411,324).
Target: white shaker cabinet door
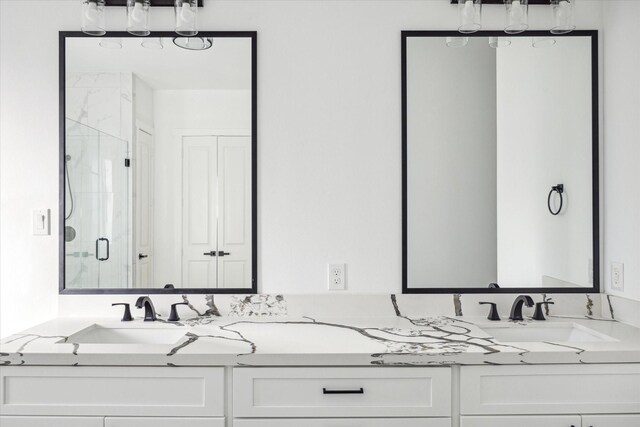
(611,420)
(522,421)
(50,422)
(351,422)
(162,422)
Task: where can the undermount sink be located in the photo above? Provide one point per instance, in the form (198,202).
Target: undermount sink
(550,332)
(97,334)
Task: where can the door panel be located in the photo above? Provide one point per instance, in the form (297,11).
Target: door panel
(143,257)
(50,422)
(234,212)
(611,420)
(163,422)
(199,211)
(344,422)
(521,421)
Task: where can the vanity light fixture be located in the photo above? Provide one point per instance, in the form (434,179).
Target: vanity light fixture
(186,12)
(457,41)
(496,42)
(194,43)
(138,12)
(562,16)
(470,12)
(153,43)
(517,16)
(93,17)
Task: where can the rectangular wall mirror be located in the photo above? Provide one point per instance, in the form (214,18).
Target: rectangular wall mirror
(500,162)
(158,163)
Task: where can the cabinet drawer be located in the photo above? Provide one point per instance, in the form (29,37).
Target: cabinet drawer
(41,390)
(611,421)
(347,422)
(50,421)
(550,389)
(341,392)
(522,421)
(163,422)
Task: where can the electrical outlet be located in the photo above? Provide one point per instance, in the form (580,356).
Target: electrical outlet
(617,276)
(336,277)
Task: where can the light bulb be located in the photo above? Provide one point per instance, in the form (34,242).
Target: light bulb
(186,15)
(137,14)
(468,12)
(92,12)
(516,10)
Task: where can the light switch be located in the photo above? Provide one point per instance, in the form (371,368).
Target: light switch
(41,222)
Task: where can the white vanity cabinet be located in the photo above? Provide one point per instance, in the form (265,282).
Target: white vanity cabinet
(611,420)
(521,421)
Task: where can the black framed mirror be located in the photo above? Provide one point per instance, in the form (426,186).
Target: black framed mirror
(158,163)
(500,162)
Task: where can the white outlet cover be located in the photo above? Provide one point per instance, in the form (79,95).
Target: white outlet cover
(336,277)
(617,276)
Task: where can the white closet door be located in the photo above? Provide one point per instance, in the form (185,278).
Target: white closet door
(143,255)
(234,212)
(199,211)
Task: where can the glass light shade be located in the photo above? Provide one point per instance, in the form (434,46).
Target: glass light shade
(193,43)
(186,17)
(93,17)
(457,41)
(470,12)
(111,43)
(496,42)
(153,43)
(541,42)
(517,16)
(562,16)
(138,17)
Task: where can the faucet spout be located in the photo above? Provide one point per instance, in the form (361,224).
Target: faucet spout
(149,309)
(516,309)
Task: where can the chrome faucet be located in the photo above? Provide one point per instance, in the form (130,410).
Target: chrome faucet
(516,309)
(149,310)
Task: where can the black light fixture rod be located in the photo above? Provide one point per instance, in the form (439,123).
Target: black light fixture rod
(154,3)
(531,2)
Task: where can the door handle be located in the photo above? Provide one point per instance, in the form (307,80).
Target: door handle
(141,256)
(211,253)
(223,253)
(98,248)
(354,391)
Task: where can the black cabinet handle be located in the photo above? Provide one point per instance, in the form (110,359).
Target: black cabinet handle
(223,253)
(354,391)
(210,253)
(98,248)
(141,256)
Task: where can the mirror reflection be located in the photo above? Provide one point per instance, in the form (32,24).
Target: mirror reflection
(159,161)
(499,162)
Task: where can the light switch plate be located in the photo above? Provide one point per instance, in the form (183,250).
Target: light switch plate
(41,222)
(617,276)
(336,277)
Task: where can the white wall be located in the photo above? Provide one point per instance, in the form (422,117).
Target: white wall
(329,138)
(176,110)
(622,143)
(451,157)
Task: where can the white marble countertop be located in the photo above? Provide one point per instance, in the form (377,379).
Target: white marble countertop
(284,340)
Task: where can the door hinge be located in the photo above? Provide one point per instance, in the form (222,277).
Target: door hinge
(127,163)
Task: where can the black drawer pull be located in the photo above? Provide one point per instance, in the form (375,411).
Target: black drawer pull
(354,391)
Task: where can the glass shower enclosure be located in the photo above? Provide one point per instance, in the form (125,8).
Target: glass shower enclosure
(98,238)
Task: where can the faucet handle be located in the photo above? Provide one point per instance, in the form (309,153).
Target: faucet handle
(173,315)
(538,314)
(126,317)
(493,313)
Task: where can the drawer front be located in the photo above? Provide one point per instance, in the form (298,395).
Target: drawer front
(522,421)
(40,390)
(347,422)
(341,392)
(550,389)
(163,422)
(50,422)
(611,421)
